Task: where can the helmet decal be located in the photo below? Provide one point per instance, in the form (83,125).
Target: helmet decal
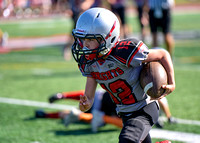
(110,33)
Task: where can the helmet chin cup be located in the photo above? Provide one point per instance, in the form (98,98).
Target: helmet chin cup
(87,50)
(104,52)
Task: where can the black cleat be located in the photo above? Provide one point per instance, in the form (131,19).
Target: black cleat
(55,97)
(159,125)
(40,114)
(172,120)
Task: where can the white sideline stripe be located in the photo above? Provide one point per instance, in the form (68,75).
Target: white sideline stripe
(155,133)
(35,103)
(182,121)
(192,122)
(174,135)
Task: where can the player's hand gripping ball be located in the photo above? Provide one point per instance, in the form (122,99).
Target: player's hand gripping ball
(152,77)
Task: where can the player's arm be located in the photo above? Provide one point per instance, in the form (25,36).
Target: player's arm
(87,99)
(165,59)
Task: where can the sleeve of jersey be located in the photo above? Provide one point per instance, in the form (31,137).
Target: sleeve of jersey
(138,55)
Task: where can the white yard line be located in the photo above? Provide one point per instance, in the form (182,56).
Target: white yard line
(174,135)
(35,103)
(155,133)
(182,121)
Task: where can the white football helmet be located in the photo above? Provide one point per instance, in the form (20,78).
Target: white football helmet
(95,23)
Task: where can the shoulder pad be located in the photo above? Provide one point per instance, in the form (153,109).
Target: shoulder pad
(124,50)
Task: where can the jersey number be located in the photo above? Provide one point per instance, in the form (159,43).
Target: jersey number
(123,91)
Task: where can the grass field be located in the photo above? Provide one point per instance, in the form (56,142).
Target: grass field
(35,75)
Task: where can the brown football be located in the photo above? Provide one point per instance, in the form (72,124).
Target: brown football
(152,77)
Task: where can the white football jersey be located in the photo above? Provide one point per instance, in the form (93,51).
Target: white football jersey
(119,74)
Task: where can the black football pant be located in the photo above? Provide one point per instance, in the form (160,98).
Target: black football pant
(137,126)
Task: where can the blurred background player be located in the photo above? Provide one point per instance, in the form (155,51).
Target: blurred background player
(119,7)
(109,104)
(3,38)
(160,18)
(163,103)
(102,112)
(142,14)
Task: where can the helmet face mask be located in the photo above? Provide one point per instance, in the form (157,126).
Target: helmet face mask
(95,23)
(84,55)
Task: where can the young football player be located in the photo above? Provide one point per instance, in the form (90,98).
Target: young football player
(115,65)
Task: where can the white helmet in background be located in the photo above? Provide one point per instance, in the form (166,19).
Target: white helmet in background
(95,23)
